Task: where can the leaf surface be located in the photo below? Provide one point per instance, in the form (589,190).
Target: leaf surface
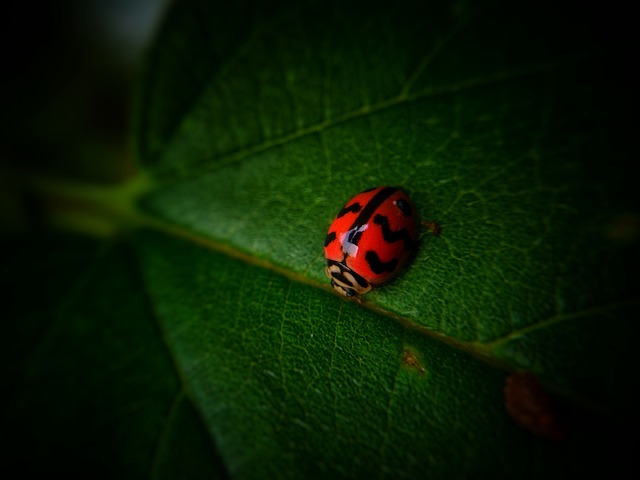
(481,114)
(94,388)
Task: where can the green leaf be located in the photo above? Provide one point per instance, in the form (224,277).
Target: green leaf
(483,115)
(295,383)
(213,345)
(94,388)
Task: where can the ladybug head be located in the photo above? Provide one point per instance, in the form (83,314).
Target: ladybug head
(346,281)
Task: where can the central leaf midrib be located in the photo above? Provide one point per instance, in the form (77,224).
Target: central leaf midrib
(101,206)
(474,348)
(558,318)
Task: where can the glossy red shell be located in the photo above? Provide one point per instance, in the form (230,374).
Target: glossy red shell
(374,234)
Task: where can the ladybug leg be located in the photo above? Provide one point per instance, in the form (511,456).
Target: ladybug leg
(433,226)
(351,295)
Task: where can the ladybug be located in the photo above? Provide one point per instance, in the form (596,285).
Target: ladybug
(370,240)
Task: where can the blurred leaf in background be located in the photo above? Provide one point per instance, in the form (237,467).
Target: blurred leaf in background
(167,311)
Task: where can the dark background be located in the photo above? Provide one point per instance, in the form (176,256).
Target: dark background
(65,108)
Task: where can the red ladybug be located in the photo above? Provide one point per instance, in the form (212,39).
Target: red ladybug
(370,240)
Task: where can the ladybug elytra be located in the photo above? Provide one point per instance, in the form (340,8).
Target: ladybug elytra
(370,240)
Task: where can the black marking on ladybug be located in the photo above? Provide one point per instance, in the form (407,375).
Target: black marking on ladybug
(339,276)
(404,207)
(331,236)
(391,236)
(374,203)
(377,265)
(361,281)
(354,207)
(349,292)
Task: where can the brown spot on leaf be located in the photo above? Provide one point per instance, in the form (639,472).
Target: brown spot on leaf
(433,226)
(531,407)
(410,360)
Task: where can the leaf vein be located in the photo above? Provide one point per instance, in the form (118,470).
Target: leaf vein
(164,432)
(558,318)
(233,157)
